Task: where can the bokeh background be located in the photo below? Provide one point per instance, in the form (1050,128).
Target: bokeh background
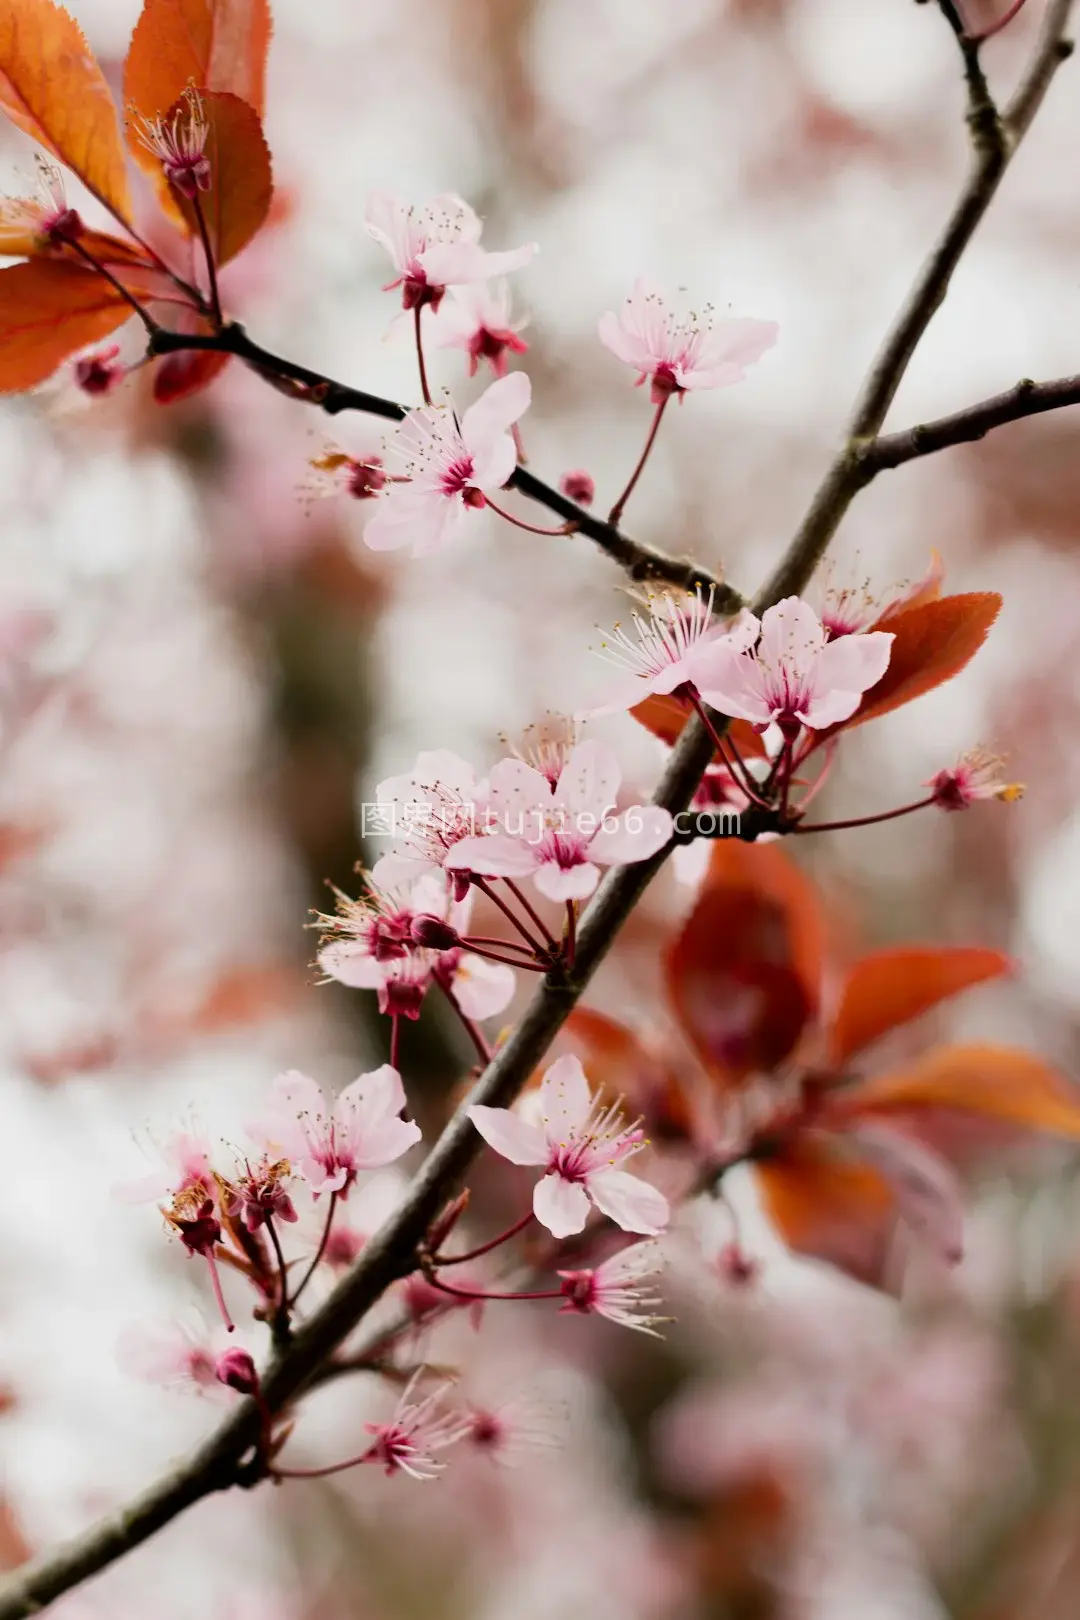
(204,673)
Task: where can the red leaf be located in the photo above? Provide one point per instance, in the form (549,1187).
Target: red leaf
(744,973)
(47,311)
(51,87)
(998,1082)
(830,1205)
(889,988)
(188,372)
(241,184)
(934,641)
(221,44)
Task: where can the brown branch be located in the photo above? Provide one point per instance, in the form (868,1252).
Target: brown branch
(1027,398)
(643,563)
(994,140)
(227,1456)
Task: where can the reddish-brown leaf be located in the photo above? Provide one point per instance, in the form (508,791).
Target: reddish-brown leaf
(889,988)
(665,717)
(997,1082)
(51,87)
(47,311)
(221,44)
(180,375)
(926,589)
(830,1205)
(241,184)
(743,975)
(934,641)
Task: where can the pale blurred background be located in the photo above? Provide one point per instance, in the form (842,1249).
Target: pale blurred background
(223,672)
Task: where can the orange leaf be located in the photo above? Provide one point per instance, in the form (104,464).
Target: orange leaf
(51,87)
(889,988)
(934,641)
(665,717)
(241,184)
(829,1205)
(926,589)
(998,1082)
(221,44)
(47,311)
(743,975)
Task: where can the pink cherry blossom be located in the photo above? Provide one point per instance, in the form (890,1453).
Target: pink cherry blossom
(655,652)
(515,1428)
(259,1193)
(975,776)
(185,1163)
(795,675)
(561,835)
(428,811)
(846,609)
(417,1430)
(328,1143)
(478,319)
(578,485)
(180,1354)
(180,144)
(435,247)
(447,464)
(371,944)
(580,1143)
(45,216)
(680,351)
(617,1289)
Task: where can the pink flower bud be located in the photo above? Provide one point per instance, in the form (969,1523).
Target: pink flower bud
(236,1368)
(433,933)
(579,486)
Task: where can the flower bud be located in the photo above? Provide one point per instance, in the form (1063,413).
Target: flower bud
(433,933)
(579,486)
(236,1368)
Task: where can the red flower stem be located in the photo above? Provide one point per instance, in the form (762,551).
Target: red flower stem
(320,1473)
(469,940)
(129,297)
(281,1314)
(519,445)
(865,821)
(208,255)
(534,945)
(424,389)
(519,523)
(533,915)
(319,1252)
(475,1034)
(507,961)
(395,1038)
(570,942)
(1002,22)
(787,769)
(617,510)
(482,1294)
(746,781)
(486,1248)
(215,1283)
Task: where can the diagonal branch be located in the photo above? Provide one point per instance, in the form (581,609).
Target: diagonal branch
(226,1457)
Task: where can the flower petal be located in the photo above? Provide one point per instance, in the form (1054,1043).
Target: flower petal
(630,1202)
(561,1206)
(495,412)
(511,1136)
(589,781)
(565,1098)
(481,988)
(635,835)
(495,855)
(558,882)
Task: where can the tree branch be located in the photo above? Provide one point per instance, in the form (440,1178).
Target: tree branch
(227,1456)
(1026,398)
(643,563)
(994,141)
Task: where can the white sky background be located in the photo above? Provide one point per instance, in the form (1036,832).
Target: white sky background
(632,138)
